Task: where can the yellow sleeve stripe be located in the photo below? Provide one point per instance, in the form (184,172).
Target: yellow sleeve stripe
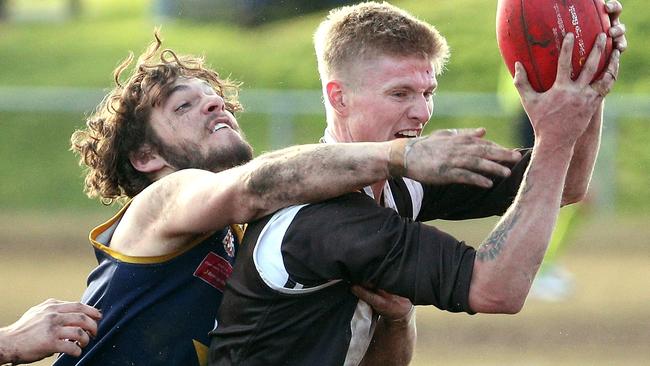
(94,234)
(201,352)
(238,230)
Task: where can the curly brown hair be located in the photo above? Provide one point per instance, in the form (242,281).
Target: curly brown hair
(120,124)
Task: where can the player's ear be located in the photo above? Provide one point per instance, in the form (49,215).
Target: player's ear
(337,97)
(146,160)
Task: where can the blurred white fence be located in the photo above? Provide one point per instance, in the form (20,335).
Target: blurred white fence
(282,106)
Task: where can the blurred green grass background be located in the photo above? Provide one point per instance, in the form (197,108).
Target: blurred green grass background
(39,173)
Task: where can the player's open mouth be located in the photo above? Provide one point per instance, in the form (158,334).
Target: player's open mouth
(219,126)
(407,134)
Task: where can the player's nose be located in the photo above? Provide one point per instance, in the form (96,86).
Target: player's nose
(213,103)
(421,110)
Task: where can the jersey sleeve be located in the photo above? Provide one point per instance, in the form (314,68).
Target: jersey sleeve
(461,201)
(351,238)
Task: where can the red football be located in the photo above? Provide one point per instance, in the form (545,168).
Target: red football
(531,32)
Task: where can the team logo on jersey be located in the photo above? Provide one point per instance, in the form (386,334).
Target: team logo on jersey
(214,270)
(229,244)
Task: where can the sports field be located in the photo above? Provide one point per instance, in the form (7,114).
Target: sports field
(606,322)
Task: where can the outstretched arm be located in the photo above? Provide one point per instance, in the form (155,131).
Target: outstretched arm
(586,150)
(583,161)
(310,173)
(50,327)
(508,259)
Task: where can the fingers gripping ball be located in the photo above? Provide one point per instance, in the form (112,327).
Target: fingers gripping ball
(531,32)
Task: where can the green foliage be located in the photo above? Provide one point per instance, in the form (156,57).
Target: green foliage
(83,51)
(38,170)
(633,165)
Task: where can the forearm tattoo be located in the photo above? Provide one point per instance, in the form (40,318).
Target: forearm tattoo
(490,249)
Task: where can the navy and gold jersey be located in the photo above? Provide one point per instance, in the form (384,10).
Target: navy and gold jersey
(156,310)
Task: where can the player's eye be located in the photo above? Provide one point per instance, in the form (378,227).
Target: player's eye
(184,106)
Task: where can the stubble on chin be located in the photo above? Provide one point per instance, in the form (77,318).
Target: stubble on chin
(190,156)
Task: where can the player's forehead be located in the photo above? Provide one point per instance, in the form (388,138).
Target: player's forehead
(183,87)
(183,83)
(412,72)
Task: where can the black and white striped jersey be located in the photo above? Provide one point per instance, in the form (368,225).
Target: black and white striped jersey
(288,301)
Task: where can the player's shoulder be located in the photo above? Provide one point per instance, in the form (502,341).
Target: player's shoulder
(181,176)
(354,199)
(343,209)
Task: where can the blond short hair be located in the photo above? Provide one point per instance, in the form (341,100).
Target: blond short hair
(355,33)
